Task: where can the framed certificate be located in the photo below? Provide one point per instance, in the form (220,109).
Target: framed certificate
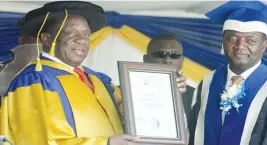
(152,106)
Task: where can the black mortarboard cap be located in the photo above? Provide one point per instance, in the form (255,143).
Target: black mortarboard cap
(32,21)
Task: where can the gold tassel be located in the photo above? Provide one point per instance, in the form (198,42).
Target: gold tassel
(52,49)
(38,66)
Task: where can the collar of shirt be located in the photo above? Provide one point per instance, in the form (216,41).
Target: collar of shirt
(56,60)
(245,74)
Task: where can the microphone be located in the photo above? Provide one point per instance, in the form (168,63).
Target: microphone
(4,139)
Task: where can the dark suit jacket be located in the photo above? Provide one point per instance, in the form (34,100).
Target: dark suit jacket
(187,100)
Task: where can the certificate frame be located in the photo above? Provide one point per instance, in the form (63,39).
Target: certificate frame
(128,110)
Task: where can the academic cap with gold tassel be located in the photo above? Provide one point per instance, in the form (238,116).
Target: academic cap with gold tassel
(52,49)
(94,14)
(34,21)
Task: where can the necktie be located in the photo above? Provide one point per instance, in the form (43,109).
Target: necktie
(83,78)
(236,80)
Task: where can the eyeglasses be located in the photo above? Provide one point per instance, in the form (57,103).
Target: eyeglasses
(164,54)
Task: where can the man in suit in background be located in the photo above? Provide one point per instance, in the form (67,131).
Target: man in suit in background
(165,49)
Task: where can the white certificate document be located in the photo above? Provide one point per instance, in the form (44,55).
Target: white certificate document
(153,104)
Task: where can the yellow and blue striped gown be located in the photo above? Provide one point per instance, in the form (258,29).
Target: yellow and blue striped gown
(54,107)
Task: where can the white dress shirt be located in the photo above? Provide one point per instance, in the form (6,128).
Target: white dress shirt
(56,60)
(245,75)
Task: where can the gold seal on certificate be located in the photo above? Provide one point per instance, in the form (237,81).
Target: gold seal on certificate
(152,105)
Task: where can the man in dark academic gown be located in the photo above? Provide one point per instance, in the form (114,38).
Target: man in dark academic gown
(229,106)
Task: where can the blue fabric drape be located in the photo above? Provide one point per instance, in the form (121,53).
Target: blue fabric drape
(201,38)
(9,32)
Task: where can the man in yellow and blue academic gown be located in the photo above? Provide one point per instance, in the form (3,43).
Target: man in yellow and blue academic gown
(54,100)
(230,104)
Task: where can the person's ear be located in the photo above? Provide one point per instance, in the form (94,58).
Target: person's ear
(46,39)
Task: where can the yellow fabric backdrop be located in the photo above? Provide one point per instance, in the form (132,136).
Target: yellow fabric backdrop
(140,41)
